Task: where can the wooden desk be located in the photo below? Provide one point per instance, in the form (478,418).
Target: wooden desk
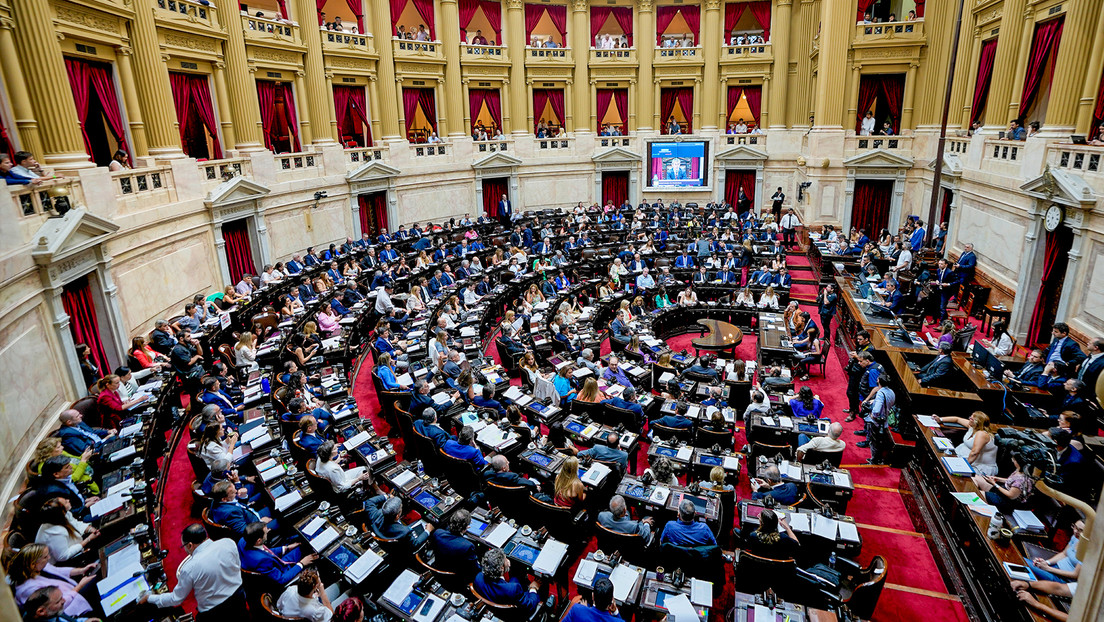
(851,316)
(722,338)
(964,552)
(925,399)
(992,393)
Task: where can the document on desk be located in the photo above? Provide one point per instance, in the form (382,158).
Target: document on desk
(1027,520)
(596,474)
(843,480)
(584,574)
(124,594)
(513,393)
(659,495)
(848,531)
(799,522)
(324,539)
(768,421)
(357,440)
(666,377)
(363,566)
(254,432)
(500,535)
(785,422)
(404,478)
(680,609)
(405,380)
(107,505)
(685,453)
(824,527)
(693,412)
(759,613)
(790,470)
(624,579)
(401,587)
(121,566)
(126,484)
(130,430)
(958,466)
(927,421)
(552,553)
(314,526)
(125,452)
(732,463)
(261,440)
(701,592)
(288,500)
(272,473)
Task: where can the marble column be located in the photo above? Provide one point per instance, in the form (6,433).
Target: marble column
(780,49)
(151,77)
(1087,103)
(226,117)
(1026,37)
(385,71)
(450,40)
(302,105)
(1074,55)
(711,48)
(50,93)
(1004,82)
(20,100)
(910,98)
(374,111)
(644,42)
(838,27)
(245,110)
(580,44)
(965,84)
(319,108)
(515,38)
(138,145)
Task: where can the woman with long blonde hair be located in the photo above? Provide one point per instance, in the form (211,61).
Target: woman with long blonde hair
(569,489)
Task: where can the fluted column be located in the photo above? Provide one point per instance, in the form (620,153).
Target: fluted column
(644,41)
(1004,81)
(910,98)
(50,93)
(1092,82)
(838,25)
(319,99)
(780,49)
(139,147)
(965,84)
(374,112)
(450,39)
(226,116)
(580,43)
(245,110)
(1074,54)
(1026,37)
(302,104)
(17,90)
(515,37)
(151,77)
(389,109)
(711,48)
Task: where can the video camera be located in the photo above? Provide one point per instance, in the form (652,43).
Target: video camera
(1032,450)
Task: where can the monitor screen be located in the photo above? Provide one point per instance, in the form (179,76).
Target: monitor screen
(537,406)
(808,428)
(477,527)
(279,490)
(411,602)
(343,556)
(426,499)
(821,478)
(979,354)
(636,491)
(678,164)
(753,511)
(712,460)
(575,426)
(700,503)
(526,553)
(866,290)
(670,452)
(540,459)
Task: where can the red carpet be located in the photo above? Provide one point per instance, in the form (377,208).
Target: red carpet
(915,589)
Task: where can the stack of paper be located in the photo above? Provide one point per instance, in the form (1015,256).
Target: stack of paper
(927,421)
(848,531)
(596,474)
(500,535)
(357,440)
(660,494)
(624,579)
(363,566)
(799,522)
(958,466)
(552,553)
(324,539)
(585,572)
(1027,520)
(824,527)
(107,505)
(701,592)
(288,500)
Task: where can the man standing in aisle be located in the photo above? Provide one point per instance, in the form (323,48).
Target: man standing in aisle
(504,209)
(789,228)
(213,570)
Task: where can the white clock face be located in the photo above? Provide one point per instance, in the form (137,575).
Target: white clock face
(1053,218)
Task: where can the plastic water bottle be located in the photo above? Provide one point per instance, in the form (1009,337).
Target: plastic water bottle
(832,559)
(995,524)
(266,386)
(421,471)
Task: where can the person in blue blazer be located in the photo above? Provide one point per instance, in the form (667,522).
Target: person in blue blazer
(77,436)
(463,448)
(491,583)
(308,435)
(427,426)
(452,551)
(281,564)
(1063,349)
(604,608)
(227,511)
(383,517)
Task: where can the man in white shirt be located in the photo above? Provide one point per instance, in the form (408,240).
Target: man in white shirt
(645,281)
(823,444)
(904,260)
(383,299)
(867,124)
(213,570)
(25,164)
(789,228)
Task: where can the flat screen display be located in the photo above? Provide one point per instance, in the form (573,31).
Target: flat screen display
(526,553)
(712,460)
(669,452)
(477,527)
(678,164)
(540,459)
(343,556)
(426,499)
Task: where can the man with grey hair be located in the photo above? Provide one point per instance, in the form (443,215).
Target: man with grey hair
(608,451)
(384,306)
(627,401)
(823,444)
(586,359)
(500,473)
(614,373)
(162,338)
(452,367)
(383,516)
(491,584)
(77,436)
(617,519)
(769,484)
(687,530)
(463,448)
(421,400)
(426,425)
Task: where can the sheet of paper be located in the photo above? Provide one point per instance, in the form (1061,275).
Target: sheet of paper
(680,609)
(363,566)
(824,527)
(357,440)
(441,398)
(701,592)
(1027,520)
(848,531)
(761,613)
(121,566)
(969,498)
(768,421)
(288,500)
(500,535)
(405,380)
(125,452)
(943,443)
(552,553)
(402,585)
(623,578)
(130,430)
(513,393)
(314,526)
(404,478)
(731,463)
(843,480)
(272,473)
(261,440)
(120,487)
(324,539)
(790,470)
(124,595)
(685,453)
(584,574)
(799,522)
(927,421)
(660,494)
(253,432)
(785,422)
(595,474)
(107,505)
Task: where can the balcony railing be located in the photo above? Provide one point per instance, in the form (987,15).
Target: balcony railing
(889,31)
(476,52)
(1004,150)
(265,28)
(957,144)
(617,55)
(56,195)
(491,146)
(405,48)
(666,54)
(133,182)
(225,169)
(554,54)
(858,144)
(553,143)
(364,155)
(297,160)
(344,40)
(759,140)
(192,11)
(614,141)
(420,151)
(1080,158)
(758,51)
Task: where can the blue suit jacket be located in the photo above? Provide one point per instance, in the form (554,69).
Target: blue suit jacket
(74,442)
(1071,352)
(506,593)
(786,494)
(917,239)
(310,442)
(234,516)
(618,402)
(454,553)
(433,433)
(485,403)
(674,421)
(207,397)
(280,570)
(464,452)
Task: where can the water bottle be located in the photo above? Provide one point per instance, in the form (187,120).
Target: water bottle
(832,559)
(995,524)
(420,469)
(266,386)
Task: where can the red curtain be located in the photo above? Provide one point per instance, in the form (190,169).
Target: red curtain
(86,78)
(365,222)
(467,10)
(425,10)
(621,100)
(239,257)
(615,187)
(733,12)
(870,206)
(602,99)
(667,99)
(754,100)
(733,101)
(664,15)
(864,6)
(410,107)
(598,17)
(492,10)
(761,10)
(318,4)
(624,17)
(893,94)
(350,106)
(289,110)
(540,100)
(283,8)
(1047,36)
(491,97)
(945,208)
(888,88)
(266,95)
(984,78)
(686,102)
(412,99)
(919,8)
(556,99)
(397,7)
(76,298)
(868,92)
(493,189)
(356,6)
(692,15)
(6,146)
(1098,112)
(1056,259)
(379,209)
(533,15)
(428,101)
(192,97)
(736,179)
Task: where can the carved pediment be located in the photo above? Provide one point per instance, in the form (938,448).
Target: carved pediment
(952,165)
(372,171)
(496,160)
(74,233)
(1063,187)
(616,155)
(878,158)
(235,191)
(742,153)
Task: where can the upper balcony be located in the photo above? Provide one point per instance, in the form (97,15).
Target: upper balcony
(269,30)
(746,53)
(613,58)
(405,49)
(1085,160)
(544,57)
(679,56)
(873,34)
(484,54)
(759,141)
(901,145)
(338,41)
(189,11)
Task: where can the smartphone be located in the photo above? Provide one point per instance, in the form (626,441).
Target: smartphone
(426,607)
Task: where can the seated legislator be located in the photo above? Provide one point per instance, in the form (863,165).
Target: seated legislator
(979,445)
(617,518)
(281,564)
(427,426)
(769,484)
(464,448)
(486,400)
(823,444)
(607,450)
(501,474)
(77,436)
(383,517)
(232,513)
(766,541)
(306,599)
(938,368)
(568,488)
(1031,373)
(329,469)
(452,551)
(604,608)
(492,583)
(687,530)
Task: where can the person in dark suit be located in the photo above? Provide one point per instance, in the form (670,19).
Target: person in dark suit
(609,451)
(452,551)
(308,435)
(627,401)
(938,368)
(427,426)
(77,436)
(421,400)
(227,511)
(491,583)
(504,209)
(769,484)
(1063,350)
(486,400)
(893,298)
(1089,369)
(463,448)
(281,564)
(967,265)
(383,517)
(701,276)
(1071,464)
(501,474)
(945,284)
(55,480)
(604,608)
(1031,371)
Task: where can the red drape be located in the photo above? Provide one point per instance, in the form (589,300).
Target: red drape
(410,107)
(268,93)
(602,99)
(919,8)
(239,257)
(540,100)
(945,208)
(1047,36)
(664,15)
(292,121)
(533,15)
(888,88)
(893,93)
(761,10)
(615,187)
(6,146)
(984,78)
(692,15)
(467,10)
(86,78)
(378,202)
(733,12)
(365,222)
(736,179)
(425,10)
(493,189)
(412,99)
(624,17)
(754,100)
(428,102)
(598,17)
(733,101)
(491,97)
(397,7)
(1054,267)
(686,102)
(283,8)
(864,6)
(621,100)
(1098,112)
(356,6)
(192,98)
(870,206)
(76,298)
(492,10)
(556,99)
(318,4)
(667,99)
(350,106)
